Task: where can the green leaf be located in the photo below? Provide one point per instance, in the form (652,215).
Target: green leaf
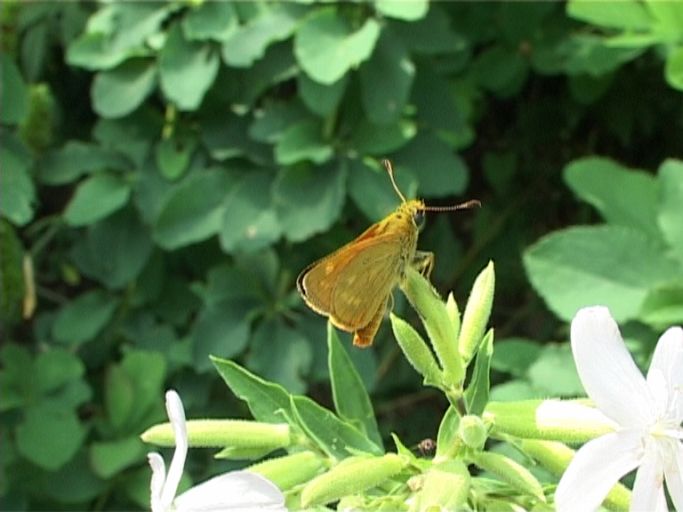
(515,356)
(309,200)
(440,171)
(477,392)
(134,405)
(622,196)
(448,433)
(335,437)
(117,32)
(351,400)
(267,402)
(250,222)
(115,250)
(210,20)
(321,99)
(119,91)
(222,330)
(407,10)
(370,189)
(186,69)
(433,34)
(611,265)
(193,211)
(554,372)
(674,69)
(17,192)
(624,15)
(588,53)
(83,318)
(501,70)
(280,354)
(303,141)
(326,48)
(670,214)
(49,436)
(386,79)
(378,140)
(173,155)
(663,307)
(13,92)
(111,457)
(55,368)
(75,158)
(96,197)
(226,135)
(74,482)
(248,43)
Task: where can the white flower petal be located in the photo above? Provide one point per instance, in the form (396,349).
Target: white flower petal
(607,371)
(673,473)
(596,467)
(176,415)
(236,490)
(668,359)
(156,485)
(648,489)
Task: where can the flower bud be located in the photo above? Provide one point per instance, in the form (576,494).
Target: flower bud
(416,351)
(221,433)
(439,327)
(453,313)
(351,476)
(477,313)
(443,487)
(290,470)
(509,471)
(472,431)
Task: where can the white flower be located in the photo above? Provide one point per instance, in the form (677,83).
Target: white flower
(647,414)
(235,490)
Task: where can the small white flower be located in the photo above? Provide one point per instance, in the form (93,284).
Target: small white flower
(235,490)
(647,414)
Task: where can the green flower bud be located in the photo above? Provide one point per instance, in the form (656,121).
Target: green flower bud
(477,313)
(439,326)
(443,487)
(555,457)
(509,471)
(416,351)
(550,420)
(290,470)
(453,313)
(473,432)
(220,433)
(351,476)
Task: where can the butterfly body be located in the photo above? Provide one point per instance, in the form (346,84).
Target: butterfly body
(352,285)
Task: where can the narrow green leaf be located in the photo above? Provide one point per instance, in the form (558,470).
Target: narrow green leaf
(448,433)
(334,436)
(267,402)
(351,400)
(477,392)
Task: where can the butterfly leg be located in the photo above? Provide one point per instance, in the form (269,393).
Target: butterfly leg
(424,262)
(363,337)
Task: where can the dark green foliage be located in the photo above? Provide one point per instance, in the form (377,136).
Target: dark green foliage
(169,168)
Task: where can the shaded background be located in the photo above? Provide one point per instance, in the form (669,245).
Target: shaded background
(169,168)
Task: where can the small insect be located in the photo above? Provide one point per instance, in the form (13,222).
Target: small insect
(353,285)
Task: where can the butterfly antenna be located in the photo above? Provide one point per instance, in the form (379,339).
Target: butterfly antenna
(387,165)
(462,206)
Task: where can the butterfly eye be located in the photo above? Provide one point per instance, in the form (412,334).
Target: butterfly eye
(419,218)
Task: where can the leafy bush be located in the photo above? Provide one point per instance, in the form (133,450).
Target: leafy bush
(169,168)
